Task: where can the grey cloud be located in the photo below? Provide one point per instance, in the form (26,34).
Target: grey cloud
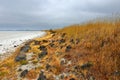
(45,14)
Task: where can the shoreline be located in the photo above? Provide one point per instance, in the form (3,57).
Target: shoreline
(12,50)
(66,55)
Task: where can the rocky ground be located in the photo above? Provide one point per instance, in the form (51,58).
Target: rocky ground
(45,59)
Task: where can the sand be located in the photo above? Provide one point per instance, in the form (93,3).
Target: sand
(10,40)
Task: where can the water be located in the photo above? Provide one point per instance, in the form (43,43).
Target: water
(9,39)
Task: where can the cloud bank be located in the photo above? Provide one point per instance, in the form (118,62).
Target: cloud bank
(46,14)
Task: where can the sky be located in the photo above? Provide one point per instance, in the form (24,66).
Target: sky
(49,14)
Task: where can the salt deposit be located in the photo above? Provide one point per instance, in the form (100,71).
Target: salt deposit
(9,40)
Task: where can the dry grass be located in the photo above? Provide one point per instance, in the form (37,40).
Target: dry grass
(7,66)
(32,74)
(100,44)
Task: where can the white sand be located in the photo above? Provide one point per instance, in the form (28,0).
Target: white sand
(10,39)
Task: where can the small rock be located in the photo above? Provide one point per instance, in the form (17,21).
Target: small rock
(29,56)
(20,57)
(62,61)
(68,48)
(42,54)
(25,48)
(72,41)
(61,41)
(42,48)
(69,63)
(86,65)
(42,76)
(28,66)
(116,73)
(62,76)
(51,44)
(77,67)
(47,66)
(23,74)
(44,41)
(15,46)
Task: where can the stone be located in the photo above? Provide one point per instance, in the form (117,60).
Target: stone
(47,66)
(62,61)
(23,74)
(29,56)
(68,48)
(42,48)
(42,76)
(25,48)
(28,66)
(44,41)
(69,63)
(72,41)
(15,45)
(42,54)
(20,57)
(86,65)
(61,41)
(62,76)
(116,73)
(51,45)
(29,42)
(77,68)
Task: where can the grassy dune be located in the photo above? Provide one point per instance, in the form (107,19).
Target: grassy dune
(100,43)
(95,53)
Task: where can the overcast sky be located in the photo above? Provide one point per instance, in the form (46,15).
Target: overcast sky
(46,14)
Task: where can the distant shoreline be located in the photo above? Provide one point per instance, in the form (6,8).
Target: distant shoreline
(21,30)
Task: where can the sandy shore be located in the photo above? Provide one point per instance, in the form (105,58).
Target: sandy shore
(10,40)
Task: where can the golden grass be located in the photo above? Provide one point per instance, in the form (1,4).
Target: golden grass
(7,66)
(23,62)
(32,74)
(100,43)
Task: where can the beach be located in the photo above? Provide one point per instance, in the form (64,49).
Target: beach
(10,40)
